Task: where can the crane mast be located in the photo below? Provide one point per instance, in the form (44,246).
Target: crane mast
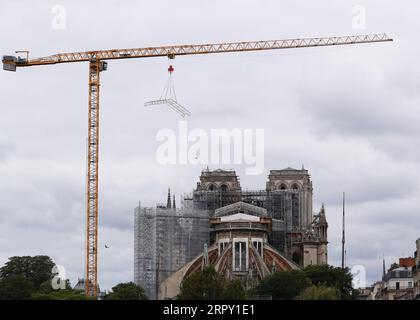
(95,68)
(97,64)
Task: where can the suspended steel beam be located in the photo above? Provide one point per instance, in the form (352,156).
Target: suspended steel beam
(173,104)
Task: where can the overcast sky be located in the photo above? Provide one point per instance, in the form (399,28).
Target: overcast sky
(349,114)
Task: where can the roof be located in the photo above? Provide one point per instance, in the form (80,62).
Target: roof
(399,273)
(219,171)
(239,217)
(290,168)
(240,207)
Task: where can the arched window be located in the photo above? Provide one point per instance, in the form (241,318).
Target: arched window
(224,188)
(282,187)
(295,186)
(211,187)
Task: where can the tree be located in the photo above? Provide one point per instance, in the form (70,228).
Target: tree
(283,285)
(61,294)
(319,293)
(332,277)
(15,287)
(126,291)
(46,292)
(30,278)
(203,285)
(210,285)
(46,286)
(234,291)
(36,269)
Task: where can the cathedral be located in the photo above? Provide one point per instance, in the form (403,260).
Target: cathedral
(244,234)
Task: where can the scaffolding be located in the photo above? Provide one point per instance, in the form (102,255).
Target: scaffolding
(283,207)
(166,239)
(145,249)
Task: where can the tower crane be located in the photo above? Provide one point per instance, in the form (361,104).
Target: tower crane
(97,60)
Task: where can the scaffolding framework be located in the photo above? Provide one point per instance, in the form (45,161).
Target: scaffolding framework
(184,112)
(166,239)
(284,207)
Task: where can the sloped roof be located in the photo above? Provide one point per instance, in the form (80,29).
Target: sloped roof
(241,207)
(239,217)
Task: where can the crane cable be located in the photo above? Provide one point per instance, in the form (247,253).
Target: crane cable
(169,90)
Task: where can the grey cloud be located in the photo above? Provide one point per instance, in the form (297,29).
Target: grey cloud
(348,114)
(5,150)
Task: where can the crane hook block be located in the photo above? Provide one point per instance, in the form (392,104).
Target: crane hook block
(171,69)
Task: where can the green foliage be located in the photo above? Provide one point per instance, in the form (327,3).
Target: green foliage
(321,292)
(332,277)
(127,291)
(209,285)
(46,292)
(313,283)
(203,285)
(30,278)
(234,291)
(65,294)
(36,269)
(283,285)
(46,287)
(15,287)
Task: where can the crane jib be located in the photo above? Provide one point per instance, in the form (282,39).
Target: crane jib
(11,62)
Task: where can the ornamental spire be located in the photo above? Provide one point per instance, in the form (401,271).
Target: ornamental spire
(168,203)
